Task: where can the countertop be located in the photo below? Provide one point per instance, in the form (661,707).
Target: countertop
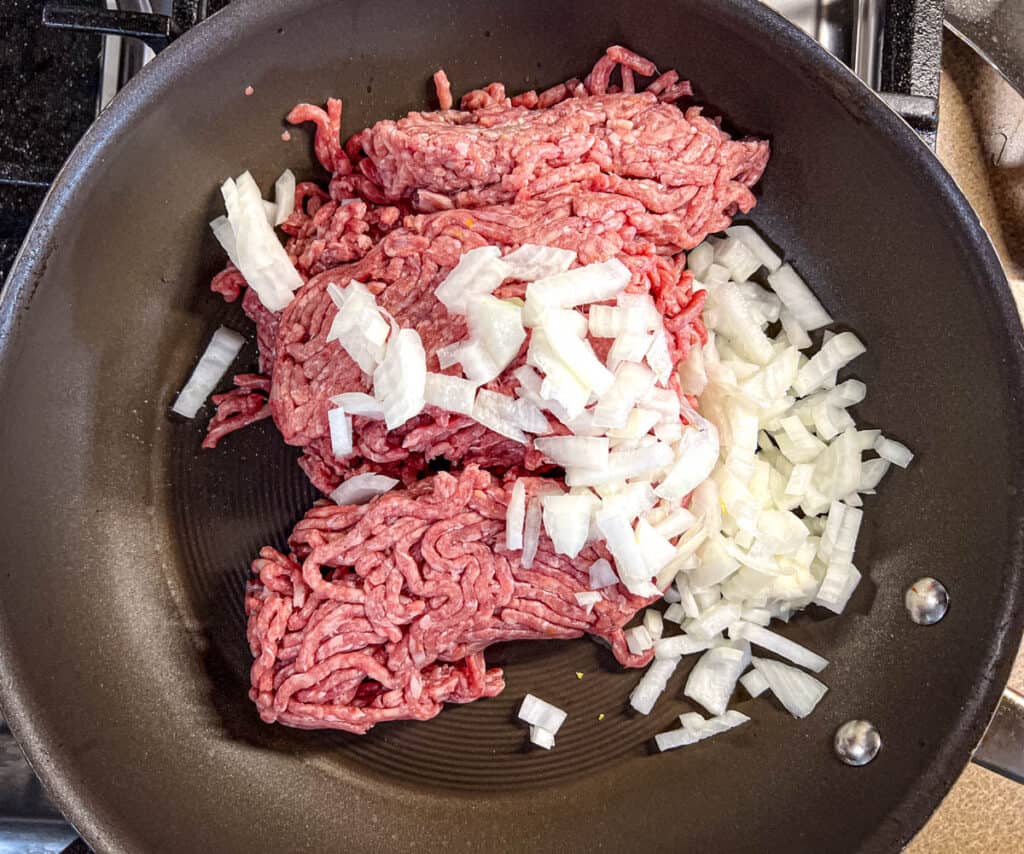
(981,143)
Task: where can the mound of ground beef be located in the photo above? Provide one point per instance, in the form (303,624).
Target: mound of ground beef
(382,611)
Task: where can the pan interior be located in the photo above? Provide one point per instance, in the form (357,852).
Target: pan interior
(120,598)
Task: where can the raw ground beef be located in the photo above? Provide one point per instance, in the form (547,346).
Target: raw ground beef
(382,611)
(417,582)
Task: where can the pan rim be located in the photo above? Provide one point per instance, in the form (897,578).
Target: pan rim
(909,815)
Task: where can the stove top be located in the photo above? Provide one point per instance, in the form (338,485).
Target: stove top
(56,78)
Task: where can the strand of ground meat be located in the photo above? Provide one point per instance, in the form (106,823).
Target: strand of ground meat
(382,611)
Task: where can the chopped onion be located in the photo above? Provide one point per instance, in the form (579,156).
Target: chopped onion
(258,253)
(498,412)
(577,356)
(602,575)
(657,550)
(531,532)
(754,683)
(679,645)
(479,271)
(779,645)
(515,516)
(677,522)
(840,580)
(632,382)
(224,346)
(799,692)
(498,325)
(541,714)
(400,379)
(589,452)
(531,261)
(638,640)
(591,283)
(622,543)
(560,384)
(358,326)
(654,624)
(542,737)
(893,452)
(340,424)
(798,298)
(695,457)
(530,418)
(714,677)
(454,394)
(587,599)
(567,521)
(659,358)
(652,684)
(362,487)
(714,620)
(359,403)
(699,259)
(736,257)
(756,244)
(284,196)
(871,474)
(835,354)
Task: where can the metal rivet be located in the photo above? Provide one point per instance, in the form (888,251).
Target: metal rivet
(927,600)
(857,742)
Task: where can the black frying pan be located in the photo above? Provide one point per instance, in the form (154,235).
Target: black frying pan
(123,664)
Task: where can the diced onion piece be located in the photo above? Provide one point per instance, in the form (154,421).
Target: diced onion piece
(530,417)
(657,550)
(736,257)
(560,384)
(542,737)
(589,452)
(224,346)
(871,474)
(531,261)
(699,259)
(579,358)
(602,575)
(714,620)
(400,379)
(678,645)
(676,523)
(453,394)
(840,580)
(541,714)
(284,196)
(781,646)
(754,683)
(362,488)
(515,516)
(795,333)
(674,739)
(479,271)
(796,443)
(756,244)
(738,322)
(358,326)
(632,383)
(652,684)
(258,253)
(591,283)
(639,423)
(629,347)
(798,298)
(799,692)
(531,532)
(659,358)
(893,452)
(587,599)
(654,624)
(622,543)
(498,412)
(695,457)
(638,640)
(340,424)
(498,325)
(835,354)
(359,403)
(567,521)
(714,677)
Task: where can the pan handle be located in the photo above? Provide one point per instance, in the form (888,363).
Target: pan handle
(1002,747)
(155,30)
